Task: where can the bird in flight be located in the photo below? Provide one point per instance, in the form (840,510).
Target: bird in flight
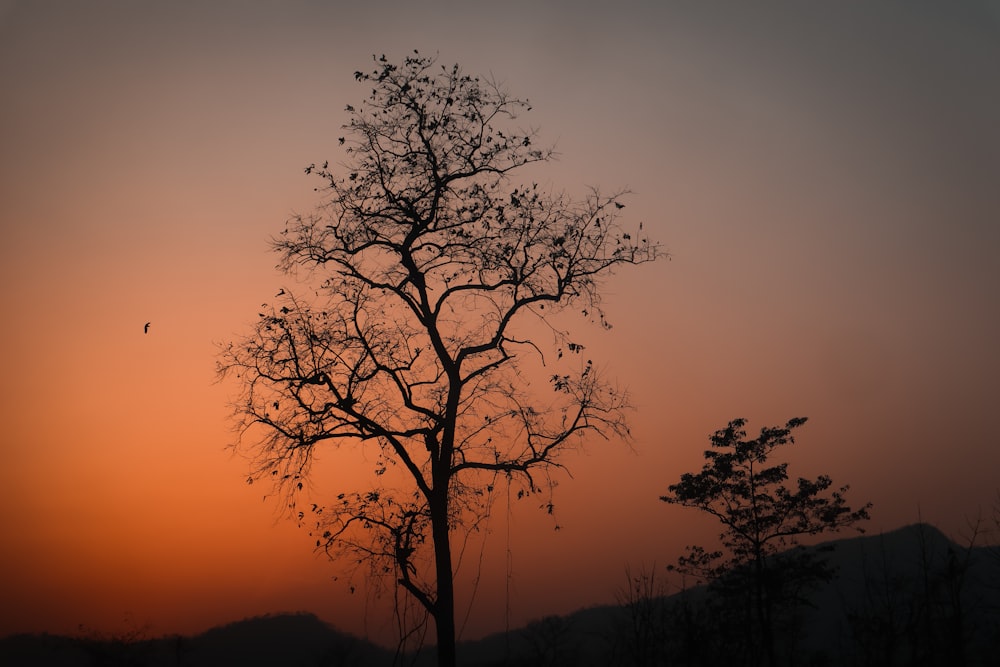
(145,329)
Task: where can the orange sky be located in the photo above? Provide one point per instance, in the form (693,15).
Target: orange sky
(824,178)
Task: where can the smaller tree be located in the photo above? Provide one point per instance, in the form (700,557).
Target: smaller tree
(642,636)
(762,519)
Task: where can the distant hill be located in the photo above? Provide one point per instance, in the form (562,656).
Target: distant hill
(290,639)
(908,597)
(899,598)
(284,639)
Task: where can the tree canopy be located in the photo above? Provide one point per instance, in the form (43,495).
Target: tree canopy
(434,275)
(762,519)
(741,487)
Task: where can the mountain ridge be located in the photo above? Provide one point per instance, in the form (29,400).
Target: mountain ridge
(918,556)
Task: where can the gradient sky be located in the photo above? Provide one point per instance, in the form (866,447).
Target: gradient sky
(826,179)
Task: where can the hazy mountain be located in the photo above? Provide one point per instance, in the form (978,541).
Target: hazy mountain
(285,639)
(898,598)
(907,597)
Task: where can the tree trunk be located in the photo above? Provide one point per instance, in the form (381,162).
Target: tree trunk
(763,605)
(444,606)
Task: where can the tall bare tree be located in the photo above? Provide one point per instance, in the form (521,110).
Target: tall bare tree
(438,285)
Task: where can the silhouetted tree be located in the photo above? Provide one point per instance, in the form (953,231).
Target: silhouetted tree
(762,519)
(551,642)
(877,618)
(927,602)
(437,285)
(641,639)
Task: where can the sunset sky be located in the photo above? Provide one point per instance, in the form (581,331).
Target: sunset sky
(825,177)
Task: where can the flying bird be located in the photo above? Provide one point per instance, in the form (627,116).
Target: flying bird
(145,329)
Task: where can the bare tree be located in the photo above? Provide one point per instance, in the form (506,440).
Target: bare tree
(642,637)
(441,289)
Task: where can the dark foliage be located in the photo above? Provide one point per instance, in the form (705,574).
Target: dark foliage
(758,579)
